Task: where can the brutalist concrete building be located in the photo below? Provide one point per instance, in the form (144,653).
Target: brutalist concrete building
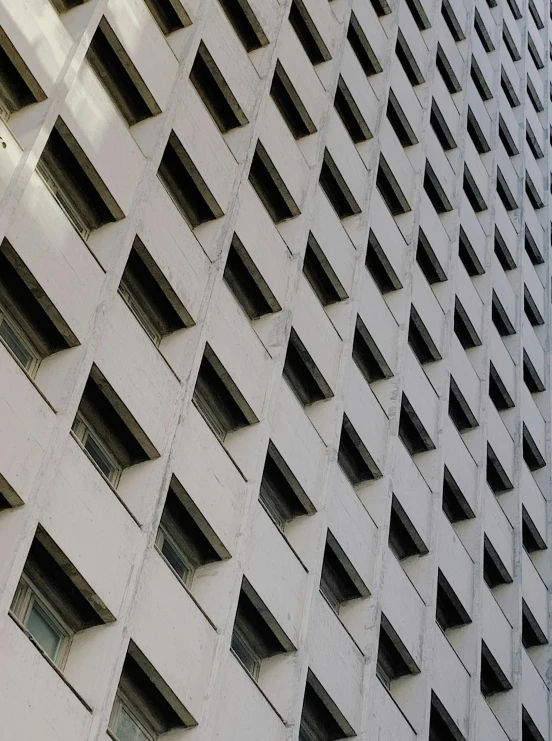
(275,370)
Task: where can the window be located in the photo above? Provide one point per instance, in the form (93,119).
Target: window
(502,252)
(498,392)
(150,297)
(419,14)
(441,725)
(378,265)
(247,284)
(530,375)
(349,113)
(435,191)
(362,49)
(493,679)
(142,710)
(390,189)
(532,192)
(47,602)
(215,92)
(535,15)
(468,256)
(476,133)
(168,14)
(500,318)
(450,612)
(302,374)
(218,399)
(441,129)
(535,56)
(529,731)
(320,274)
(270,187)
(184,538)
(336,189)
(185,185)
(411,431)
(420,340)
(339,582)
(510,44)
(497,478)
(452,22)
(531,309)
(404,541)
(516,12)
(307,33)
(409,64)
(534,96)
(506,138)
(532,634)
(494,571)
(455,504)
(447,72)
(399,122)
(72,180)
(62,5)
(459,410)
(508,89)
(381,7)
(353,457)
(532,248)
(117,73)
(320,719)
(473,194)
(281,494)
(245,23)
(290,104)
(482,32)
(428,261)
(253,638)
(463,328)
(102,433)
(531,453)
(478,79)
(18,87)
(30,329)
(367,355)
(393,661)
(533,142)
(531,537)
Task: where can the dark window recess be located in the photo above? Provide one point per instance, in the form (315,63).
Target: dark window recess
(18,87)
(428,262)
(302,374)
(307,33)
(353,457)
(441,725)
(498,392)
(532,193)
(411,431)
(531,309)
(516,12)
(473,194)
(482,32)
(463,328)
(185,185)
(509,42)
(494,571)
(476,133)
(256,635)
(531,633)
(502,252)
(500,318)
(409,64)
(150,296)
(450,612)
(336,189)
(532,248)
(245,23)
(367,355)
(535,15)
(119,76)
(169,15)
(339,582)
(529,731)
(247,284)
(393,661)
(493,679)
(320,274)
(441,129)
(290,104)
(435,191)
(497,478)
(506,138)
(420,340)
(270,187)
(478,79)
(320,719)
(63,5)
(508,89)
(281,494)
(419,14)
(468,256)
(404,540)
(399,122)
(447,72)
(530,376)
(535,56)
(531,453)
(533,142)
(534,96)
(459,410)
(218,399)
(455,504)
(74,183)
(531,537)
(349,113)
(215,92)
(381,7)
(362,49)
(390,189)
(452,22)
(378,265)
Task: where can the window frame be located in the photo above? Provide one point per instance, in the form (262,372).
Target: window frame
(81,426)
(123,701)
(23,337)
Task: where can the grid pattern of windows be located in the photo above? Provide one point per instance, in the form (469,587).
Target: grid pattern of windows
(275,311)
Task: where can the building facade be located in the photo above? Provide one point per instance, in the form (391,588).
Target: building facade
(275,370)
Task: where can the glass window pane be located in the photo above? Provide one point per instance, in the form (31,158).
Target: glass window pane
(43,630)
(127,729)
(99,457)
(175,559)
(16,345)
